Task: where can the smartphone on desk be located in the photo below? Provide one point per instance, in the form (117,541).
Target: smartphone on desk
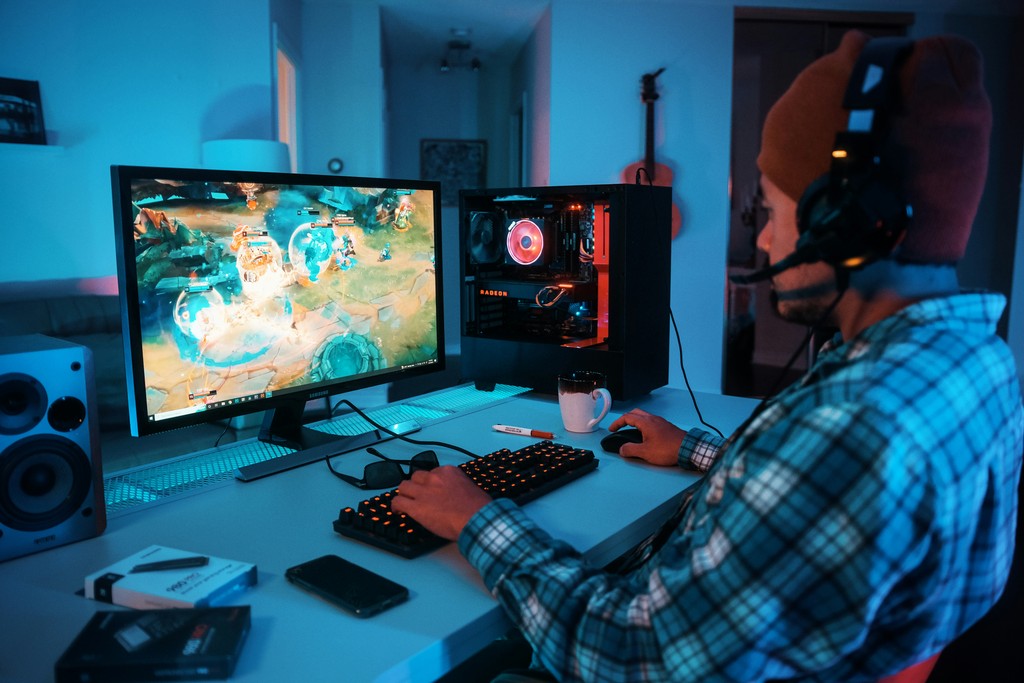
(347,585)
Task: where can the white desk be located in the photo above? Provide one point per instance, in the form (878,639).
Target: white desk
(285,519)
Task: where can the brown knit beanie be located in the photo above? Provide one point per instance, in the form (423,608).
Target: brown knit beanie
(940,137)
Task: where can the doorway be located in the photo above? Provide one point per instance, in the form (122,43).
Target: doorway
(770,47)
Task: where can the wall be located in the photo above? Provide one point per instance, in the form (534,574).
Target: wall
(1015,333)
(599,51)
(495,107)
(425,103)
(538,66)
(342,87)
(287,18)
(286,35)
(196,71)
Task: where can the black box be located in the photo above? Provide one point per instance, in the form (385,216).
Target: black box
(566,278)
(156,645)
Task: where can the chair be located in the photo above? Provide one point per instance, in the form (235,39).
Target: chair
(917,673)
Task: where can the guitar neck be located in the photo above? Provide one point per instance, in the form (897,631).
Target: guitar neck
(649,142)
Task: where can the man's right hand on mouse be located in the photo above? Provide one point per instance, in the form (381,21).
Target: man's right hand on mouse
(661,438)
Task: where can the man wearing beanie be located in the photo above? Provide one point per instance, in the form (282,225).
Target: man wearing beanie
(860,520)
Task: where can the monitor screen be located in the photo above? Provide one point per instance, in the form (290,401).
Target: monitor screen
(247,291)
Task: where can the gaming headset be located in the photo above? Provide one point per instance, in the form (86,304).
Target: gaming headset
(854,214)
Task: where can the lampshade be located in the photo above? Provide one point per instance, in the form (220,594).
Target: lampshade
(246,155)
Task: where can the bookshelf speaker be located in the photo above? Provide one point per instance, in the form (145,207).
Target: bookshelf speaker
(51,483)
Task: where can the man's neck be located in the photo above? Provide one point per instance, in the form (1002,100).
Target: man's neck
(885,287)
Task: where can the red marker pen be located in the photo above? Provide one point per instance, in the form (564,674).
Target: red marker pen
(525,431)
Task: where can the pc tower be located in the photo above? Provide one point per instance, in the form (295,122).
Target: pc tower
(566,278)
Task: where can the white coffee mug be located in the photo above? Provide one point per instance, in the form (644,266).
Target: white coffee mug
(579,393)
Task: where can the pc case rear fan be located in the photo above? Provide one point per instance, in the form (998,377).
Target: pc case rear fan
(485,237)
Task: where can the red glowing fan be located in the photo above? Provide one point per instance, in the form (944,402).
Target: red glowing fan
(525,242)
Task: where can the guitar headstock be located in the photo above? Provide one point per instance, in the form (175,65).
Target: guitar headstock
(649,90)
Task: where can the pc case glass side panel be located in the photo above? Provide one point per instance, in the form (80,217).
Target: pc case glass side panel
(529,268)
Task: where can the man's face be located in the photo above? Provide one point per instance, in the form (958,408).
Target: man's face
(805,291)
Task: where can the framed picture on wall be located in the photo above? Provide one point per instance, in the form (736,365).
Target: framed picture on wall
(21,112)
(457,164)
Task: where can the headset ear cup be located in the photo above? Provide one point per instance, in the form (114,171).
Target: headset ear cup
(812,205)
(854,226)
(825,220)
(886,218)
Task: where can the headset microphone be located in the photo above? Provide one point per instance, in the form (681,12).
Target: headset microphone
(804,254)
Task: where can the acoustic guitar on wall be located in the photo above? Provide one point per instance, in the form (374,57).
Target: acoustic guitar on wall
(658,174)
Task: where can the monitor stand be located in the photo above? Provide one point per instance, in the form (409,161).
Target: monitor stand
(282,426)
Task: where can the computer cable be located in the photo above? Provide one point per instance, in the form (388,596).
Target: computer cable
(686,380)
(227,426)
(672,319)
(418,442)
(548,290)
(802,347)
(813,329)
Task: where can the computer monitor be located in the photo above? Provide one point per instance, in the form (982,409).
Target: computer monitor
(252,291)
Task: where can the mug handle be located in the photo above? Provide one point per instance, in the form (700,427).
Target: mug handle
(607,401)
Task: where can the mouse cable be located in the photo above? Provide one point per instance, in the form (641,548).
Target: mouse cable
(418,442)
(672,318)
(682,366)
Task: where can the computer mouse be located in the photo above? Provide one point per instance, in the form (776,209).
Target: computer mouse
(613,442)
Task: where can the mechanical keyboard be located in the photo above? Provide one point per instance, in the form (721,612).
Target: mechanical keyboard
(521,475)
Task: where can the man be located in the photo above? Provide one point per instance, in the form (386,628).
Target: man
(860,520)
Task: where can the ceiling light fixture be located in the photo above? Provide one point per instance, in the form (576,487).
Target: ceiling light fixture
(456,55)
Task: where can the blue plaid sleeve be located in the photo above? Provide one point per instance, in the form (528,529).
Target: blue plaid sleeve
(768,577)
(699,449)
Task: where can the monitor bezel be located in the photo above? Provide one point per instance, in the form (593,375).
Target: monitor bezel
(140,424)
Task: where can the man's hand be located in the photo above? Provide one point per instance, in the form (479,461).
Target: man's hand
(662,439)
(442,500)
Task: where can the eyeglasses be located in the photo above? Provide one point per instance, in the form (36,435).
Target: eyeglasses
(387,474)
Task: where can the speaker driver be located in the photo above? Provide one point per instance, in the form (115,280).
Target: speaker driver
(45,480)
(525,242)
(66,414)
(484,237)
(22,403)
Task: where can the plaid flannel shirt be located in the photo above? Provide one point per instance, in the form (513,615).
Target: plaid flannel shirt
(857,524)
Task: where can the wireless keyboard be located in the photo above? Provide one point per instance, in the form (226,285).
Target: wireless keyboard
(520,475)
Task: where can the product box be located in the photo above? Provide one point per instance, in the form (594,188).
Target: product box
(195,586)
(156,645)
